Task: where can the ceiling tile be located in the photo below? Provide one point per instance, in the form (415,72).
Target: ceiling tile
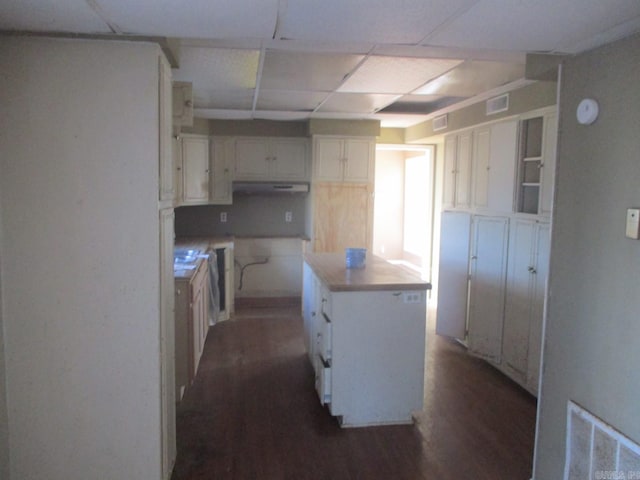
(50,15)
(472,78)
(219,68)
(289,100)
(377,21)
(223,99)
(195,18)
(356,102)
(421,104)
(306,71)
(543,25)
(395,74)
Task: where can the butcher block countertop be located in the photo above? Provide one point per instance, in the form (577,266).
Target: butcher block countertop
(377,275)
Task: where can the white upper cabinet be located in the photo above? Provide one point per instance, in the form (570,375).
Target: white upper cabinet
(271,159)
(167,192)
(343,159)
(193,169)
(220,192)
(536,162)
(494,160)
(457,175)
(182,104)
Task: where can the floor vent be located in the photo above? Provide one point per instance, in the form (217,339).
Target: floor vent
(440,123)
(595,450)
(498,104)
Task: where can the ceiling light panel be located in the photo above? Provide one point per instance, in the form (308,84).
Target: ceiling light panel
(50,16)
(195,18)
(397,75)
(290,70)
(376,21)
(472,78)
(356,103)
(218,68)
(289,100)
(543,25)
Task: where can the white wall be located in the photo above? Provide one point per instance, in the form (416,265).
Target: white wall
(388,217)
(592,329)
(80,249)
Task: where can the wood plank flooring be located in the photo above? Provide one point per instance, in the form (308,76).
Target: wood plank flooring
(252,413)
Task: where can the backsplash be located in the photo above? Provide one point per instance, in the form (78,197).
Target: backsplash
(247,216)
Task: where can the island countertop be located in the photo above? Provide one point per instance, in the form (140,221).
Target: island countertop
(377,275)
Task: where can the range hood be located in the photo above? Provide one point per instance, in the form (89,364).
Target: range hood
(270,188)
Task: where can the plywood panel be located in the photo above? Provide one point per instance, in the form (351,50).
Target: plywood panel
(342,217)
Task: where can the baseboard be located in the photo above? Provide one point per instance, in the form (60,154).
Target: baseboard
(264,302)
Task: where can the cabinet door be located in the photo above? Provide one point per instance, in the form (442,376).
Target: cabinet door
(195,169)
(549,163)
(487,286)
(359,155)
(463,169)
(342,217)
(252,159)
(502,166)
(166,174)
(289,159)
(539,283)
(182,104)
(518,304)
(220,181)
(455,231)
(449,186)
(481,166)
(328,159)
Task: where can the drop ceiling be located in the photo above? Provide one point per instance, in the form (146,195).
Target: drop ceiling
(400,61)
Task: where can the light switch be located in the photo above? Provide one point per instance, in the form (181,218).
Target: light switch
(223,217)
(633,223)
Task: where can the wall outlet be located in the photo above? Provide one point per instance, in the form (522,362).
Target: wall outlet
(288,217)
(412,297)
(223,217)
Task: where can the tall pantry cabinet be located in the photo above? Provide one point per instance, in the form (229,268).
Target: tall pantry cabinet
(494,249)
(342,187)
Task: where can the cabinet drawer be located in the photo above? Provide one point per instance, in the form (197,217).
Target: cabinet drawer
(323,380)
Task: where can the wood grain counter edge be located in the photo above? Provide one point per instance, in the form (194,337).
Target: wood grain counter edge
(377,275)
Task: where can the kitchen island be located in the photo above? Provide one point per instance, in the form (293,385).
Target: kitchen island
(365,336)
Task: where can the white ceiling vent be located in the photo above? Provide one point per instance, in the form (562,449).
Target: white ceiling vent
(440,123)
(498,104)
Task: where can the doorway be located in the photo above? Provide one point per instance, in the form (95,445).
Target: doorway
(403,206)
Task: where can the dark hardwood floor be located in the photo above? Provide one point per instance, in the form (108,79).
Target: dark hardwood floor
(252,413)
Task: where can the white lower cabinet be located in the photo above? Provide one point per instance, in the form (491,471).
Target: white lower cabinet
(487,278)
(453,281)
(492,287)
(524,311)
(367,351)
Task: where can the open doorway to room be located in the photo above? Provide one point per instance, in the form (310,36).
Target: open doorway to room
(403,206)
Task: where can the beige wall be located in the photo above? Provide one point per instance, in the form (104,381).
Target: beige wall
(591,354)
(531,97)
(4,420)
(256,215)
(80,258)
